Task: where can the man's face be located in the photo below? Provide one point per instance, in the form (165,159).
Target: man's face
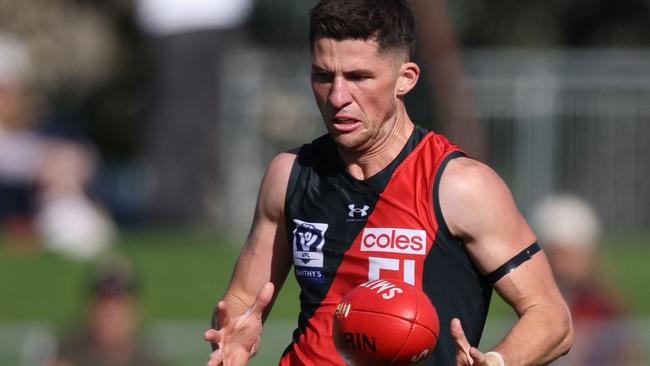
(113,320)
(572,266)
(355,89)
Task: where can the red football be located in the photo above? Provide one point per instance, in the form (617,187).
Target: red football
(385,322)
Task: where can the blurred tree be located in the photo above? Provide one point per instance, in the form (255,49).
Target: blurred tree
(281,23)
(439,51)
(87,62)
(562,23)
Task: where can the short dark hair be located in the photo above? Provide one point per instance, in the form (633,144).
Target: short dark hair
(391,23)
(113,277)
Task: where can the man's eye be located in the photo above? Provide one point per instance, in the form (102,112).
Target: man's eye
(321,76)
(358,77)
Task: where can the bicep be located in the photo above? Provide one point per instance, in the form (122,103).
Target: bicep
(264,257)
(531,284)
(480,209)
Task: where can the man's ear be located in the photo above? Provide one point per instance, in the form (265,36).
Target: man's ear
(408,76)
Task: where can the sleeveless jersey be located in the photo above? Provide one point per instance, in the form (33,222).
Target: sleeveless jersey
(343,232)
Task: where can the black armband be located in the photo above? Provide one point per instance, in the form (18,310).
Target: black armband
(513,263)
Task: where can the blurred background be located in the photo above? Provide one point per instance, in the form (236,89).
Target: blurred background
(134,133)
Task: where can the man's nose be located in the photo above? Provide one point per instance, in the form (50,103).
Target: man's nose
(339,95)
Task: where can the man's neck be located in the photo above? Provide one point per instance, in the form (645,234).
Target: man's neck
(368,163)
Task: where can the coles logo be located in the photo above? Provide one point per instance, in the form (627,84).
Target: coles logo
(392,240)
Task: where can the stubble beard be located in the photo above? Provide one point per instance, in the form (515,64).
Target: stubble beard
(365,142)
(354,143)
(360,142)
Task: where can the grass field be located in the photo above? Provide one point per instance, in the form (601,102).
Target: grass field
(182,273)
(180,276)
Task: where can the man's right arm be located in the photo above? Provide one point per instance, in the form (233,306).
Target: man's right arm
(264,258)
(480,210)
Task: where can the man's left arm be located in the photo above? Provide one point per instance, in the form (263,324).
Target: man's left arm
(479,209)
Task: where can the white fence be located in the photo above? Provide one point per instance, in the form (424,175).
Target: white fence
(571,121)
(556,120)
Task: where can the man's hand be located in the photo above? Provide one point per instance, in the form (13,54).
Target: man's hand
(467,355)
(238,339)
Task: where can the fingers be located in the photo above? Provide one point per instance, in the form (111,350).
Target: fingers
(263,299)
(236,339)
(478,357)
(459,338)
(219,358)
(212,336)
(458,335)
(255,348)
(236,359)
(216,358)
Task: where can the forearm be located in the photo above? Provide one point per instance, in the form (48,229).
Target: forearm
(252,271)
(255,266)
(542,334)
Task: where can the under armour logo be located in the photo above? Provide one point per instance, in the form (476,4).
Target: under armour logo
(361,211)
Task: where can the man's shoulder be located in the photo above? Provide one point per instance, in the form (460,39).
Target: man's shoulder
(309,154)
(281,163)
(465,176)
(474,198)
(270,200)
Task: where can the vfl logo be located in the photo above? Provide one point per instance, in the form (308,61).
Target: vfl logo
(362,212)
(308,242)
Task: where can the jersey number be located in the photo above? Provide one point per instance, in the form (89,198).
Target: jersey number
(376,264)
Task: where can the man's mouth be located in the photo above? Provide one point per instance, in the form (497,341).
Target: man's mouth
(343,120)
(345,124)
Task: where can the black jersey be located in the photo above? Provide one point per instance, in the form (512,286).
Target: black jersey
(343,232)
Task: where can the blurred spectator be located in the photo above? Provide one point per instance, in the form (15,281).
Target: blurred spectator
(72,42)
(109,333)
(188,41)
(569,231)
(43,179)
(88,63)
